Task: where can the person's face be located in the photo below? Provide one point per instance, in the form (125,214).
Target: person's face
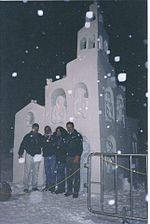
(70,128)
(47,131)
(35,129)
(58,132)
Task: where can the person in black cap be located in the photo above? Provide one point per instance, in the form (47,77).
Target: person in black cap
(49,159)
(74,147)
(32,145)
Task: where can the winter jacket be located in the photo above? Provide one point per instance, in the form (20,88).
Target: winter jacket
(31,143)
(48,147)
(59,144)
(74,144)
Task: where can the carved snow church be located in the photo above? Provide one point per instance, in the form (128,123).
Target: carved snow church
(89,96)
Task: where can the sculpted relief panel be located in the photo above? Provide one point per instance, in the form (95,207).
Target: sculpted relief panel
(59,107)
(29,119)
(109,105)
(80,101)
(120,108)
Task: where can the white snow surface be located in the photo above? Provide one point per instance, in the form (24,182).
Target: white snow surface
(49,208)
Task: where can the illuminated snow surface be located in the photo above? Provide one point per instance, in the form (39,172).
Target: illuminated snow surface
(49,208)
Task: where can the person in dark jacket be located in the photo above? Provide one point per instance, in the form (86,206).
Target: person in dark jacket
(59,142)
(49,160)
(74,147)
(32,144)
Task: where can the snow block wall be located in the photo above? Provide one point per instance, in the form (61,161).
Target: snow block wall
(32,113)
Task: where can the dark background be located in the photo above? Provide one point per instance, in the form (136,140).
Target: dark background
(21,30)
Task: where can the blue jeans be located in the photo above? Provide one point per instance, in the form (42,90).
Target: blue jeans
(50,170)
(60,176)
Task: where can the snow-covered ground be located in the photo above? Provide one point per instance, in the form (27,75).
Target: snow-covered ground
(49,208)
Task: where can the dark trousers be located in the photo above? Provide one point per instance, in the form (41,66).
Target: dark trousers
(73,182)
(60,176)
(50,170)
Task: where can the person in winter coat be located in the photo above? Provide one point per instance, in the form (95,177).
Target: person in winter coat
(74,147)
(32,145)
(49,160)
(59,142)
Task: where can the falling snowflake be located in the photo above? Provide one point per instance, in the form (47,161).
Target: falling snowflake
(57,76)
(26,51)
(40,12)
(130,35)
(141,130)
(86,108)
(146,94)
(43,32)
(105,76)
(117,58)
(144,104)
(98,81)
(108,126)
(119,152)
(37,47)
(22,62)
(122,77)
(99,112)
(69,91)
(109,74)
(139,66)
(101,94)
(109,25)
(14,74)
(108,51)
(132,94)
(87,25)
(146,65)
(111,202)
(71,119)
(89,15)
(145,41)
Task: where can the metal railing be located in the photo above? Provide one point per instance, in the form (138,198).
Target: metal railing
(111,170)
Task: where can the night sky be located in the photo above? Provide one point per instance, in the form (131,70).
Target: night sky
(38,47)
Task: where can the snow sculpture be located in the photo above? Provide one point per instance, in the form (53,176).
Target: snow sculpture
(59,110)
(80,102)
(100,42)
(105,46)
(111,144)
(120,116)
(110,148)
(109,105)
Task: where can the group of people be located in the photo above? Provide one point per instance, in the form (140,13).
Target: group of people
(61,151)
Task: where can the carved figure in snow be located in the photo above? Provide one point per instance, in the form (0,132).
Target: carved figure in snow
(80,103)
(59,110)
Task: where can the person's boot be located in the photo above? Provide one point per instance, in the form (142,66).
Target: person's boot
(75,195)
